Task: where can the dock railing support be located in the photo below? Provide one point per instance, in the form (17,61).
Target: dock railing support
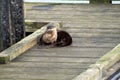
(11,22)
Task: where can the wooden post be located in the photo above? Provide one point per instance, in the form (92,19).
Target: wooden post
(100,1)
(11,22)
(17,20)
(4,25)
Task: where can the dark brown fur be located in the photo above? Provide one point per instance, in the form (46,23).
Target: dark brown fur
(63,39)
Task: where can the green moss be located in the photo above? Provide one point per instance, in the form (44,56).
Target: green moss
(4,60)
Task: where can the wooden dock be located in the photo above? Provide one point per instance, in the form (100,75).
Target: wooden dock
(95,30)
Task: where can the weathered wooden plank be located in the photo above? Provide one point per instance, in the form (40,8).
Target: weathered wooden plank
(71,54)
(16,79)
(20,47)
(86,25)
(38,77)
(61,1)
(23,45)
(90,44)
(96,71)
(20,79)
(40,71)
(56,59)
(98,40)
(77,17)
(16,64)
(69,20)
(96,30)
(85,10)
(67,52)
(68,48)
(80,8)
(95,35)
(32,25)
(58,7)
(107,14)
(80,14)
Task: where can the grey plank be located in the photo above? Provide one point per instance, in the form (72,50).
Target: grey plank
(38,77)
(66,54)
(97,40)
(46,65)
(92,44)
(56,59)
(95,35)
(40,71)
(96,30)
(92,17)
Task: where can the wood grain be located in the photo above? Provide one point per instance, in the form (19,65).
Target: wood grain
(95,31)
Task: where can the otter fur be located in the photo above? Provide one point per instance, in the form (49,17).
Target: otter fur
(63,39)
(55,38)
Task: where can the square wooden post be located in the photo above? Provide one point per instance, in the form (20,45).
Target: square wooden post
(4,25)
(11,22)
(17,20)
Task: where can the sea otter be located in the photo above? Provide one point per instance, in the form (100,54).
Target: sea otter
(55,38)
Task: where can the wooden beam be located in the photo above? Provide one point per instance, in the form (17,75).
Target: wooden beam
(97,70)
(23,45)
(100,1)
(32,26)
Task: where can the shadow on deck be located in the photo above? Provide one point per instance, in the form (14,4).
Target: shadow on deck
(95,30)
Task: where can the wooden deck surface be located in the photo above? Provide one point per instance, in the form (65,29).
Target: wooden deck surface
(95,30)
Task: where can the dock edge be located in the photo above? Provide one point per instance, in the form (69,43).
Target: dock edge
(96,71)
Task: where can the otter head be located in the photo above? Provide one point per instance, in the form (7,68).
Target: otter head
(50,36)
